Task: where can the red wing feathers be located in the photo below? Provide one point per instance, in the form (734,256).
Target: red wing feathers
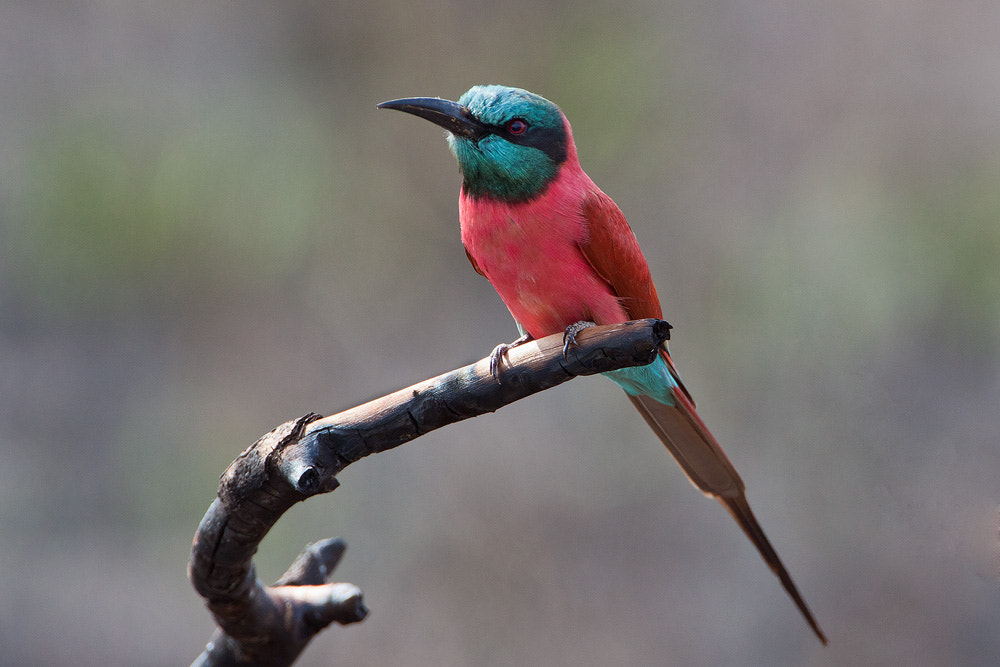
(612,250)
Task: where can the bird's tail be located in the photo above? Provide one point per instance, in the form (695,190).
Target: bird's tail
(707,466)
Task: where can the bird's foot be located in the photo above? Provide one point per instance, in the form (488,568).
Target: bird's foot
(569,335)
(500,351)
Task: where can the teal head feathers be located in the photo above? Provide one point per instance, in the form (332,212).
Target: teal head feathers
(509,143)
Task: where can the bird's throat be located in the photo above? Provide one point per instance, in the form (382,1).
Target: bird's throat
(502,171)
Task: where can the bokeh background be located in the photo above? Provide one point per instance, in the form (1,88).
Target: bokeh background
(206,228)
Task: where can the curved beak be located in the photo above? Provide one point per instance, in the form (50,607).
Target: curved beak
(452,116)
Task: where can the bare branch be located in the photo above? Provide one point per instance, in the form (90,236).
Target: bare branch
(271,625)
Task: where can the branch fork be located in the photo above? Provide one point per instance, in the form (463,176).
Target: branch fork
(271,625)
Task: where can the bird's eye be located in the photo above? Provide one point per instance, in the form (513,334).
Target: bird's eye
(517,126)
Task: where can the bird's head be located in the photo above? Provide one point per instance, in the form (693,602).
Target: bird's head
(510,144)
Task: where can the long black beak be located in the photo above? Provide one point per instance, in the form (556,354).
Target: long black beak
(452,116)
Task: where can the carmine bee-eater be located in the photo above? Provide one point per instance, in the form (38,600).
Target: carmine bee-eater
(560,254)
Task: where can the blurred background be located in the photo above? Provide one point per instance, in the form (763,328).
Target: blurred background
(206,228)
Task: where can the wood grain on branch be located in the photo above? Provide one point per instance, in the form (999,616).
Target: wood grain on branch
(270,625)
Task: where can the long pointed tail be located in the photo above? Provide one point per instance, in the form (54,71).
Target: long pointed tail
(707,466)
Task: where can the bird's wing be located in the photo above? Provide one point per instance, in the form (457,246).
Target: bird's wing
(612,250)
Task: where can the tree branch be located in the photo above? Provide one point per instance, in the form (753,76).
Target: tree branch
(271,625)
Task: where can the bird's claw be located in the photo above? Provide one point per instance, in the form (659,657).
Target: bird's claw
(500,351)
(496,359)
(569,335)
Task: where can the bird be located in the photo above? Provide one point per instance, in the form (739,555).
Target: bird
(561,256)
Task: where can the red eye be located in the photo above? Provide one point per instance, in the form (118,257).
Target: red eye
(517,126)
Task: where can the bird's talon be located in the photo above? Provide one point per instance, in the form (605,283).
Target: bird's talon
(569,335)
(500,351)
(496,360)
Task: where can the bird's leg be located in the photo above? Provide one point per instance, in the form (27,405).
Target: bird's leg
(569,335)
(498,353)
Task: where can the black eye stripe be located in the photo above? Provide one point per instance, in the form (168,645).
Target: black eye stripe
(549,140)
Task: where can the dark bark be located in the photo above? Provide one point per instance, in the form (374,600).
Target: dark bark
(270,625)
